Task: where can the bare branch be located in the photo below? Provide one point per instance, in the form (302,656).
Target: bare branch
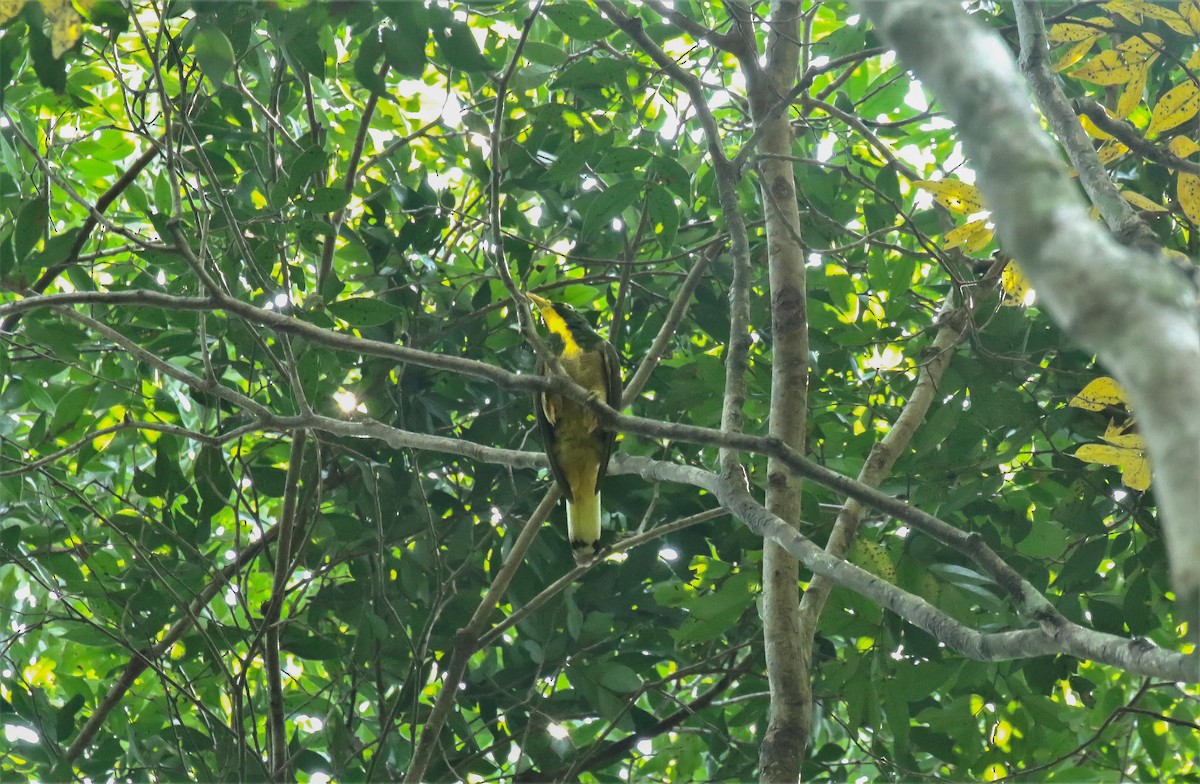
(1055,635)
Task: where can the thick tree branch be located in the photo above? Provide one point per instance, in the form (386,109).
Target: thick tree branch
(1027,599)
(770,446)
(789,725)
(1056,634)
(1137,312)
(1118,214)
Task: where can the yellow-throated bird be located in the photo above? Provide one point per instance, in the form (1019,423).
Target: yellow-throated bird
(577,446)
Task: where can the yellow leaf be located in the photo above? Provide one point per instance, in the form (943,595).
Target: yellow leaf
(1101,392)
(1117,436)
(1140,50)
(1091,129)
(65,25)
(1187,189)
(1134,10)
(1015,286)
(1190,11)
(1135,474)
(1142,203)
(955,196)
(1167,17)
(1182,146)
(972,237)
(1102,454)
(1075,53)
(9,9)
(1110,152)
(1131,96)
(1106,68)
(1071,33)
(1194,61)
(40,672)
(1175,106)
(1135,467)
(1130,9)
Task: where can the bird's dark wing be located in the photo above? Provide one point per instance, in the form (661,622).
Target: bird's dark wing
(611,365)
(550,438)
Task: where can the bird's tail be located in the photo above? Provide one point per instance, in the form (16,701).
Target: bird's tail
(583,526)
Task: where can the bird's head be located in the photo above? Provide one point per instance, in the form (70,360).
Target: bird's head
(565,322)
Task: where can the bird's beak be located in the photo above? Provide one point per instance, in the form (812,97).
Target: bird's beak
(541,302)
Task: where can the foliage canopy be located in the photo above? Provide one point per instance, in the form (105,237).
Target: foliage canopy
(266,439)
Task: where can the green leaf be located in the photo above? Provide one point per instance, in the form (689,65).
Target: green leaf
(304,46)
(593,73)
(544,54)
(64,723)
(71,408)
(305,165)
(56,249)
(370,50)
(1080,569)
(662,215)
(214,54)
(51,71)
(673,175)
(404,49)
(458,45)
(619,678)
(325,200)
(309,646)
(579,21)
(610,202)
(31,226)
(269,480)
(364,312)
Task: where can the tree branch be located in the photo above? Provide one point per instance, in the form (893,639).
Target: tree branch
(1119,214)
(887,450)
(467,639)
(144,658)
(1126,134)
(727,175)
(1134,310)
(789,725)
(276,720)
(1056,634)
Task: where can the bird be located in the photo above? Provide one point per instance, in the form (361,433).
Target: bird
(577,445)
